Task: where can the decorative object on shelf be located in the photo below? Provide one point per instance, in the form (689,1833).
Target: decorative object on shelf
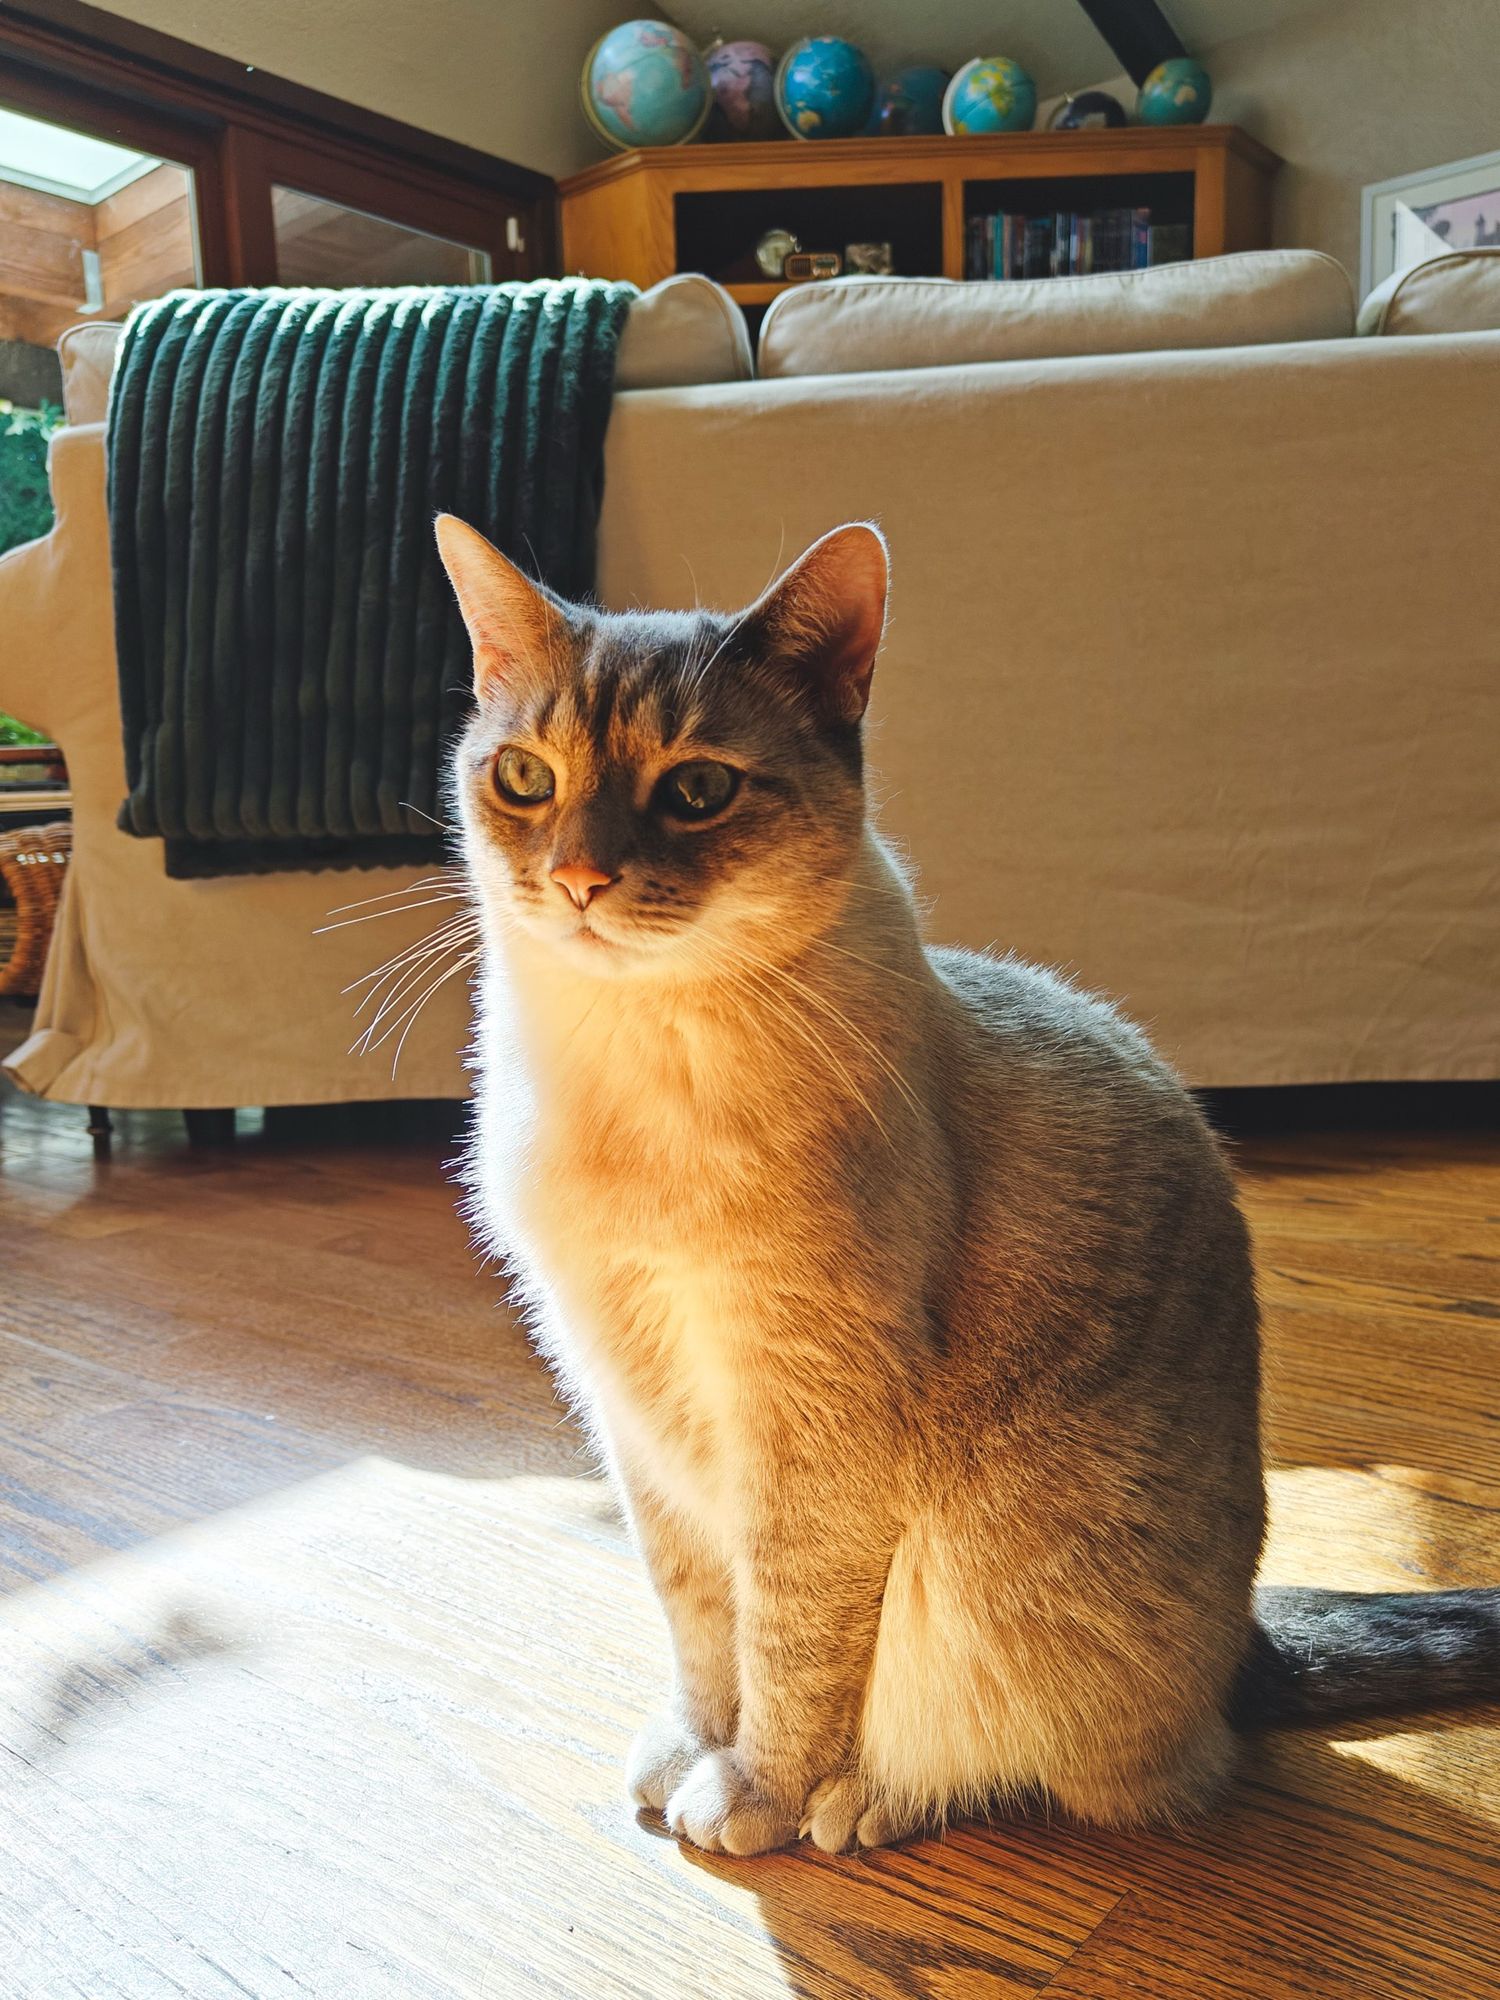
(908,102)
(804,264)
(869,260)
(27,759)
(1088,111)
(824,88)
(33,861)
(1177,92)
(990,94)
(773,250)
(644,84)
(742,76)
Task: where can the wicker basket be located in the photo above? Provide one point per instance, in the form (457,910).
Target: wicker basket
(33,861)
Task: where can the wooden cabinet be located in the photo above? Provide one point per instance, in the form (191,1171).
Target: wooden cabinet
(646,214)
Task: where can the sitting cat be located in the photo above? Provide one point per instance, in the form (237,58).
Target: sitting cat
(903,1290)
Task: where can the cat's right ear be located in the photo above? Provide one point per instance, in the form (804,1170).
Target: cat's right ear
(514,625)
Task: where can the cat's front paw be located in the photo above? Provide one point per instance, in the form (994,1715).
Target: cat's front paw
(660,1758)
(717,1808)
(841,1814)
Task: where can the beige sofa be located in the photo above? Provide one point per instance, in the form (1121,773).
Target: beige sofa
(1192,684)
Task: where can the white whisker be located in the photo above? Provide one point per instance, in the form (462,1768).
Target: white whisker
(453,896)
(470,959)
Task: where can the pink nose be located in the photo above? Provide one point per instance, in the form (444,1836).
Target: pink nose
(580,882)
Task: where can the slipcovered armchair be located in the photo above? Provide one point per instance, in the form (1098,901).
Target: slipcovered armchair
(181,994)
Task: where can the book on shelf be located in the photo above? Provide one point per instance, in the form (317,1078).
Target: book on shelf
(1071,244)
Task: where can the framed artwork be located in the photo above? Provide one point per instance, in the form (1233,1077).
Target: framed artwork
(1421,215)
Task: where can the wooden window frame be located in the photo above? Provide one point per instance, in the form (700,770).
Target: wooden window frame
(240,133)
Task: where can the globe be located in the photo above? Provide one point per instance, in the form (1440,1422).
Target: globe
(742,76)
(990,94)
(644,84)
(909,100)
(824,88)
(1088,111)
(1177,92)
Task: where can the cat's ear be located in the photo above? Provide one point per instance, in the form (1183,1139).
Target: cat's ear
(825,616)
(514,624)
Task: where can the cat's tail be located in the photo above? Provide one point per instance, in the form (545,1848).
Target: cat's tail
(1332,1653)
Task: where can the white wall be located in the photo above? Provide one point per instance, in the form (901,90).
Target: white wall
(498,74)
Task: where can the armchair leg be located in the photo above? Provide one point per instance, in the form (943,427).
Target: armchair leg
(100,1129)
(209,1128)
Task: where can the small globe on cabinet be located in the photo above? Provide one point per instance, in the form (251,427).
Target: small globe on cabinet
(742,76)
(824,88)
(1177,92)
(1088,111)
(645,84)
(908,101)
(989,94)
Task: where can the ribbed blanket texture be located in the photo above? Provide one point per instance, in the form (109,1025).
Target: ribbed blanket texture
(292,664)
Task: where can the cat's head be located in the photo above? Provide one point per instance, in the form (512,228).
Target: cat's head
(667,791)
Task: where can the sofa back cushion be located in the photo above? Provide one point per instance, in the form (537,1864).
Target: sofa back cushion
(1246,299)
(1458,292)
(684,330)
(687,329)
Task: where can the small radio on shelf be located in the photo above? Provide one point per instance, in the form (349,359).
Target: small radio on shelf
(803,264)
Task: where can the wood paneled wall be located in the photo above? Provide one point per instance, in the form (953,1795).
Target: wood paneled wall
(143,234)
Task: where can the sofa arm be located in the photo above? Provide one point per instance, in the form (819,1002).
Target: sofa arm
(55,611)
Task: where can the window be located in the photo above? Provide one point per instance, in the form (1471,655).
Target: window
(324,243)
(173,164)
(89,228)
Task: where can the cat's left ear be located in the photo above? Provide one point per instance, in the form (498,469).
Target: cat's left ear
(824,618)
(513,623)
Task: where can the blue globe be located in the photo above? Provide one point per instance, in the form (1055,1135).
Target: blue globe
(990,94)
(1177,92)
(824,88)
(909,100)
(644,84)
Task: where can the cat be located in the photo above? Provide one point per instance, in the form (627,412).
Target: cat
(903,1291)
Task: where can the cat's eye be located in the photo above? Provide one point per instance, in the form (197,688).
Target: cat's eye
(697,790)
(523,779)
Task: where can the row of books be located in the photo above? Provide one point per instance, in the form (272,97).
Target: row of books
(1068,245)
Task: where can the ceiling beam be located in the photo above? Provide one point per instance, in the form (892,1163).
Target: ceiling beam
(1138,31)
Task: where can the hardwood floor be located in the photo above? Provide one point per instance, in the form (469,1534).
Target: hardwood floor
(323,1643)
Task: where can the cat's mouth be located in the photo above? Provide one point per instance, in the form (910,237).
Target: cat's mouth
(588,942)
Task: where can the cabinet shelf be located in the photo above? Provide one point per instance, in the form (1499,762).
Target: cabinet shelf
(762,294)
(643,215)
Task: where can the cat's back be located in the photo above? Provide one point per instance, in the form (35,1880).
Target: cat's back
(1086,1160)
(1033,1022)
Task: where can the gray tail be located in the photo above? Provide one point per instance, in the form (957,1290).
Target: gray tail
(1332,1653)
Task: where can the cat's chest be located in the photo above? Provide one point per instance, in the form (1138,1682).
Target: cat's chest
(663,1346)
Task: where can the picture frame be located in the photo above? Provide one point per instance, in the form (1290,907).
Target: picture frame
(1417,215)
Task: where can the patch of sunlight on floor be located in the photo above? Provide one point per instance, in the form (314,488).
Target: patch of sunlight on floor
(1453,1760)
(1346,1528)
(366,1734)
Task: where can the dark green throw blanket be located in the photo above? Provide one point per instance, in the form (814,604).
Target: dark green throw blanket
(291,661)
